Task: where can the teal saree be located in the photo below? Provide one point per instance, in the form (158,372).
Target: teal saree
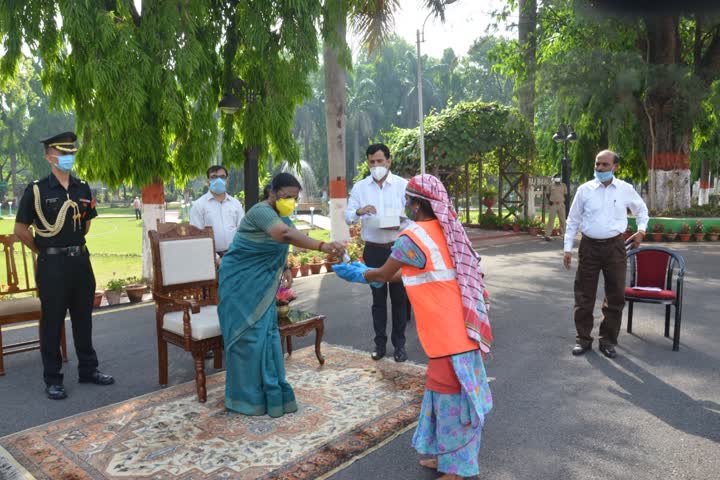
(249,275)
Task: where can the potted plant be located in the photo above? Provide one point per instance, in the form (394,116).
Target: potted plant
(135,289)
(657,231)
(113,290)
(489,194)
(294,264)
(699,231)
(304,267)
(533,226)
(315,263)
(283,297)
(330,260)
(684,233)
(713,232)
(670,236)
(98,298)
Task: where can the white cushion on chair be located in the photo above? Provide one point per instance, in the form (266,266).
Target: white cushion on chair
(185,261)
(15,306)
(204,324)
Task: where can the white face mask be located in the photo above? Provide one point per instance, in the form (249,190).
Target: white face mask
(378,173)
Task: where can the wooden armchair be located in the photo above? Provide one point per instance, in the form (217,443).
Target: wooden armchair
(26,307)
(186,296)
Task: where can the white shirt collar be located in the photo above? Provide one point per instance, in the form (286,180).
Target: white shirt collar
(595,183)
(387,180)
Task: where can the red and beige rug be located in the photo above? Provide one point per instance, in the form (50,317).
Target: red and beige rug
(347,408)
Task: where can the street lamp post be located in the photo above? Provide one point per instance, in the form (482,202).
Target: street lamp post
(565,134)
(421,139)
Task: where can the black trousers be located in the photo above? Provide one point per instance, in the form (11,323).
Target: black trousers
(66,283)
(138,214)
(609,257)
(376,257)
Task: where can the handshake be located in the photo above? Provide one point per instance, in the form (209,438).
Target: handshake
(354,272)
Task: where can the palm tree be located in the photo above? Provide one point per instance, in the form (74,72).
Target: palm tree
(363,113)
(373,20)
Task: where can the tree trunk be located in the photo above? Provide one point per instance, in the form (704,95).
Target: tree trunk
(668,157)
(704,193)
(17,193)
(356,152)
(251,177)
(335,98)
(153,206)
(527,25)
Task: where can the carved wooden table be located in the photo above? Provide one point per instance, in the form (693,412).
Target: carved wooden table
(299,324)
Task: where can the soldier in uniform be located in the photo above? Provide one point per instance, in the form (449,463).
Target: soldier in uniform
(59,209)
(556,198)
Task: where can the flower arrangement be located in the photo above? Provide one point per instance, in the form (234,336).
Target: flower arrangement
(699,227)
(658,227)
(685,228)
(284,296)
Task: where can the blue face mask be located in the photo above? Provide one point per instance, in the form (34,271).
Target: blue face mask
(217,185)
(65,162)
(603,177)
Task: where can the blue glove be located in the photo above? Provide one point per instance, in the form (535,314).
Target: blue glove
(353,272)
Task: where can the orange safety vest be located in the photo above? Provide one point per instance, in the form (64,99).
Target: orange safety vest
(435,294)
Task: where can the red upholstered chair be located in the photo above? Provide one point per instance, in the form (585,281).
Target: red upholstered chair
(655,267)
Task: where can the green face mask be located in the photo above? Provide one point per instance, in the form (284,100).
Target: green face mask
(285,206)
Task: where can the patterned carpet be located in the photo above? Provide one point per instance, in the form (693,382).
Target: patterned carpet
(346,408)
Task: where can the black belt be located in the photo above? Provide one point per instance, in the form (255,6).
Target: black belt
(74,251)
(379,245)
(602,240)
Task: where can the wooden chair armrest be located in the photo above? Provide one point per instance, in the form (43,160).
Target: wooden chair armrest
(180,302)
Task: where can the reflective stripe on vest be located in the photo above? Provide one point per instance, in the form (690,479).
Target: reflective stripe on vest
(435,255)
(426,277)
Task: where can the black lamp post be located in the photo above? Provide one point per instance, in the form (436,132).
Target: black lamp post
(238,96)
(565,134)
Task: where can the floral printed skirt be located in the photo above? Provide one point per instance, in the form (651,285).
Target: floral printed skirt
(450,425)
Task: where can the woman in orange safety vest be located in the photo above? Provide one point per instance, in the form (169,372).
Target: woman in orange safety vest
(441,273)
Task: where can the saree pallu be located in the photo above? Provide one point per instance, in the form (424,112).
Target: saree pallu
(255,380)
(450,425)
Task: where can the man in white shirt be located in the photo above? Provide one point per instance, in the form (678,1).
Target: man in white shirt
(377,199)
(217,209)
(599,211)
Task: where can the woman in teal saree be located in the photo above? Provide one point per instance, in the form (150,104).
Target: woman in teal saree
(249,276)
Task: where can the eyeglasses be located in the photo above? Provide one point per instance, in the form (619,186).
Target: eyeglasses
(213,177)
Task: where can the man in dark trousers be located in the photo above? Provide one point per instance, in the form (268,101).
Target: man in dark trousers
(59,209)
(599,212)
(381,198)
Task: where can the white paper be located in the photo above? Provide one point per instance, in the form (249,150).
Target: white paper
(648,289)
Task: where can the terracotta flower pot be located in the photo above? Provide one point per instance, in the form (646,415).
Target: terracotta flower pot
(505,227)
(656,236)
(532,231)
(684,237)
(671,237)
(294,271)
(98,298)
(304,270)
(315,268)
(712,237)
(699,237)
(329,265)
(516,227)
(135,292)
(113,296)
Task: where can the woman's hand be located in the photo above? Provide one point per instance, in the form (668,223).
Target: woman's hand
(333,248)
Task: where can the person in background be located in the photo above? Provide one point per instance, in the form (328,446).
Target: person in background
(599,212)
(217,209)
(249,276)
(59,208)
(376,196)
(137,205)
(435,260)
(556,201)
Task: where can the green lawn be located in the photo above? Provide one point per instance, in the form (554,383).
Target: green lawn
(116,245)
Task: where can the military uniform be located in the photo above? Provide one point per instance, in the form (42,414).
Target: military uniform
(64,275)
(557,194)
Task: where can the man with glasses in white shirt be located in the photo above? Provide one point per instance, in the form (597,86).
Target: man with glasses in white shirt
(379,200)
(599,212)
(217,209)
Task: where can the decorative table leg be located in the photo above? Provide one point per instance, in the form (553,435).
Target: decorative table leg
(288,339)
(199,358)
(319,330)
